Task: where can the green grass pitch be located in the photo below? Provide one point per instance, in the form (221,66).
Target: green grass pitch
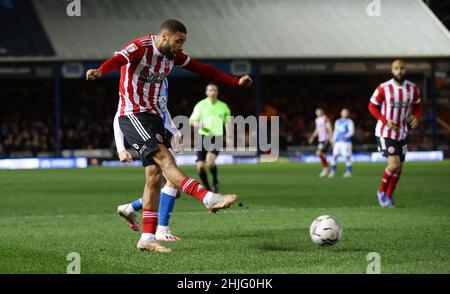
(45,214)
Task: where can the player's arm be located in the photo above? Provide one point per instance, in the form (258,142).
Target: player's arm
(329,128)
(351,130)
(124,155)
(211,73)
(194,119)
(177,137)
(375,106)
(195,123)
(170,125)
(417,108)
(127,55)
(334,136)
(313,136)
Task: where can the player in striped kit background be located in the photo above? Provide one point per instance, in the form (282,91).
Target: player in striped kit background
(390,104)
(323,132)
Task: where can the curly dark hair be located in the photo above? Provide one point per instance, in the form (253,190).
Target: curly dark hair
(173,26)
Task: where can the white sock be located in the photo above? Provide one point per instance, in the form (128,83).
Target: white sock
(348,163)
(333,161)
(162,228)
(129,208)
(147,237)
(169,191)
(208,199)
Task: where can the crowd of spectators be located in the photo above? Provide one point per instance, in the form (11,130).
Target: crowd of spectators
(27,116)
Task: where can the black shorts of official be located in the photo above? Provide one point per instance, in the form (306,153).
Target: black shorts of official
(391,147)
(143,132)
(323,146)
(215,140)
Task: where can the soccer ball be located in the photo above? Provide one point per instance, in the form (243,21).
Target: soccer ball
(325,230)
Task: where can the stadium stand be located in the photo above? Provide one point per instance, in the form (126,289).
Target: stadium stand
(310,64)
(26,37)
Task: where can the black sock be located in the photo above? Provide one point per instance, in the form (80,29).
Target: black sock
(204,177)
(214,173)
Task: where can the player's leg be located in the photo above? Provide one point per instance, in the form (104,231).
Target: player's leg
(200,165)
(321,152)
(128,211)
(347,154)
(166,205)
(150,205)
(336,152)
(211,162)
(396,167)
(391,169)
(212,201)
(143,132)
(387,175)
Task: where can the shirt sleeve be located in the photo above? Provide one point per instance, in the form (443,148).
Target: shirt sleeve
(182,59)
(131,52)
(416,97)
(209,72)
(376,113)
(335,131)
(118,135)
(378,96)
(169,124)
(196,113)
(351,129)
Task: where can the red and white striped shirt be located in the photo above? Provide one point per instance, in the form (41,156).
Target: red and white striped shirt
(321,127)
(394,101)
(141,79)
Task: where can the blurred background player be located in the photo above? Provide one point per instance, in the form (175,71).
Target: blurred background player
(172,140)
(145,63)
(344,129)
(323,133)
(394,97)
(209,116)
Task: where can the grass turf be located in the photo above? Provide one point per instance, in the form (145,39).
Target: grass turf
(45,214)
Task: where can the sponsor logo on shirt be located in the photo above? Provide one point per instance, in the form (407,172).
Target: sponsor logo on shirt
(156,77)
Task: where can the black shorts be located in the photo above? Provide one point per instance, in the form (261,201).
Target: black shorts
(391,147)
(215,140)
(323,146)
(143,132)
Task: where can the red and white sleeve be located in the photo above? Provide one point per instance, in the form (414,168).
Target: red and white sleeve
(378,96)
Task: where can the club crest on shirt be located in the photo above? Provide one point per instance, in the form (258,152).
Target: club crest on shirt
(159,138)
